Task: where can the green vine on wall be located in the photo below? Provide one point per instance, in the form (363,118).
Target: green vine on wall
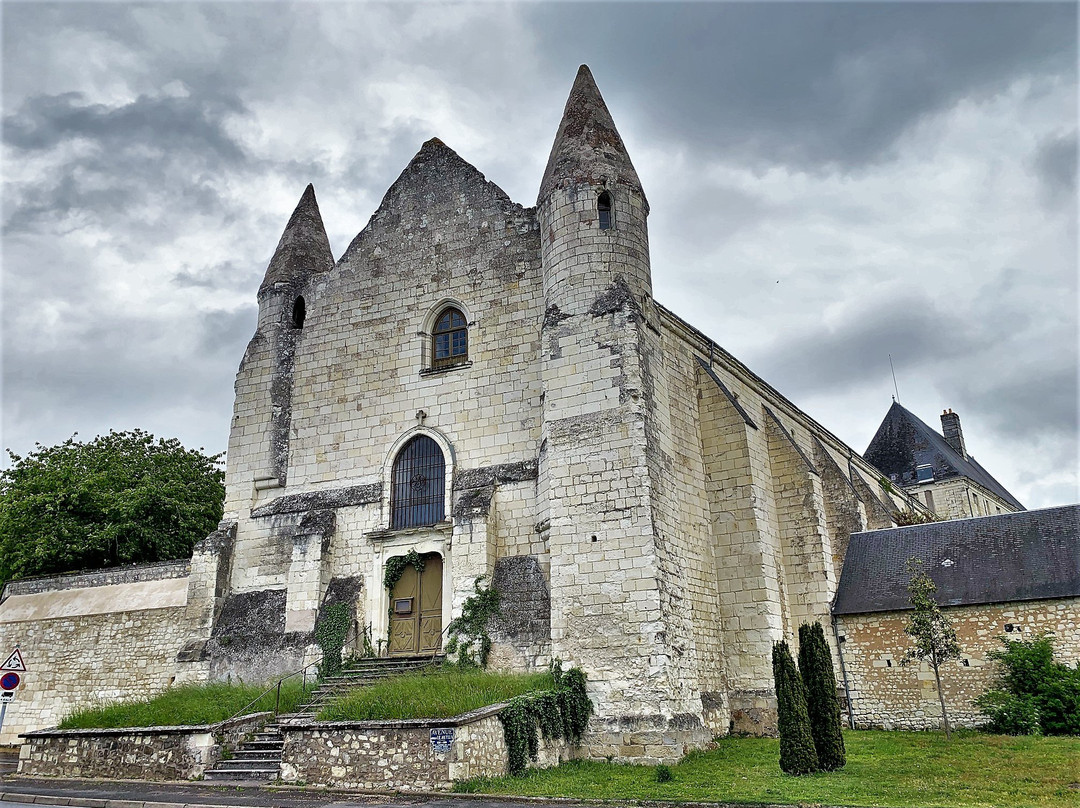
(330,634)
(395,568)
(466,636)
(562,712)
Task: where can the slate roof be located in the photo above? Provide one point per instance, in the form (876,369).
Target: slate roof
(1030,555)
(904,442)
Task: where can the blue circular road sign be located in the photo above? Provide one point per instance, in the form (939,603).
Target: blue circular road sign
(9,681)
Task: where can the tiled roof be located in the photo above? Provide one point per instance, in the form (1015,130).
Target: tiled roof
(903,442)
(1030,555)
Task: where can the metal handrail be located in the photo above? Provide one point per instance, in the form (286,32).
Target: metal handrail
(277,684)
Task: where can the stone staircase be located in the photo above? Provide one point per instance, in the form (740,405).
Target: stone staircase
(360,673)
(255,760)
(258,760)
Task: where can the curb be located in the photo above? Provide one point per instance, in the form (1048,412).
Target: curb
(95,802)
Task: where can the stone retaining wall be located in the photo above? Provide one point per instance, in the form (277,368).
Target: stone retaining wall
(142,753)
(154,571)
(402,755)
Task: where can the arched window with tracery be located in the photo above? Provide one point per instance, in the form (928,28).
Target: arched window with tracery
(418,484)
(449,339)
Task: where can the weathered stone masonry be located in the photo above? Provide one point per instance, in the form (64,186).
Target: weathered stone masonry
(653,511)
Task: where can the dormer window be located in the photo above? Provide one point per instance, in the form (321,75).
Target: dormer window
(603,211)
(449,339)
(924,473)
(299,312)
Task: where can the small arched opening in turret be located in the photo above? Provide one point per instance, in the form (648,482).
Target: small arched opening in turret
(604,211)
(299,312)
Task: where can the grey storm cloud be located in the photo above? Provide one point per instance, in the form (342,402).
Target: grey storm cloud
(809,83)
(911,329)
(129,151)
(153,153)
(1055,164)
(929,344)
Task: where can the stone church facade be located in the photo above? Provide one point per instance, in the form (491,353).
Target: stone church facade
(494,388)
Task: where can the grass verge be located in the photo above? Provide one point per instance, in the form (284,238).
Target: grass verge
(442,693)
(887,769)
(187,704)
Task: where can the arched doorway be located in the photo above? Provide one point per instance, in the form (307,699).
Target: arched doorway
(416,609)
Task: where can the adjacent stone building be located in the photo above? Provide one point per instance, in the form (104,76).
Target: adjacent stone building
(937,469)
(491,392)
(1015,576)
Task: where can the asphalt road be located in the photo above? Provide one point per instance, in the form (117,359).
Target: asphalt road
(20,791)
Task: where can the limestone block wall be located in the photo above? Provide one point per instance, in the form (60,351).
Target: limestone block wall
(782,496)
(685,544)
(805,538)
(89,638)
(607,616)
(887,695)
(442,234)
(958,498)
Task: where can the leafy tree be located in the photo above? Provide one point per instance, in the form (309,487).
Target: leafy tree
(797,752)
(934,636)
(816,667)
(125,497)
(1034,695)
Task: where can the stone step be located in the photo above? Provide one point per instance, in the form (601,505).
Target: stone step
(262,775)
(246,764)
(247,753)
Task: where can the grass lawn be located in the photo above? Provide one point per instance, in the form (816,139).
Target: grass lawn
(888,769)
(441,693)
(187,704)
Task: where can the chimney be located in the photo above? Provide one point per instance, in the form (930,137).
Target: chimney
(954,435)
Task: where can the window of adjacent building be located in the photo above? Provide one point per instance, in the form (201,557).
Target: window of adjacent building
(924,473)
(449,339)
(299,312)
(603,210)
(929,495)
(418,483)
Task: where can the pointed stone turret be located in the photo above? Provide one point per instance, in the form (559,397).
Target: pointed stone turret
(588,149)
(303,249)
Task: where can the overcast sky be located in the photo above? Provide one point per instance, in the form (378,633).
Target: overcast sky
(829,183)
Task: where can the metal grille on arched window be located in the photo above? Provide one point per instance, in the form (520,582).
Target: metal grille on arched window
(603,210)
(417,496)
(449,339)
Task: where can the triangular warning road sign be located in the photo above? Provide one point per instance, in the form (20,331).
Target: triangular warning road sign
(14,662)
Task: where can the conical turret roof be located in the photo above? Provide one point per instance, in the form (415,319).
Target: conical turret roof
(588,148)
(303,249)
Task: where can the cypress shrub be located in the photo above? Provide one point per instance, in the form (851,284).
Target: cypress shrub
(797,753)
(815,665)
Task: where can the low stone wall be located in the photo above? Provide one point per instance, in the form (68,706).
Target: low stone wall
(412,755)
(143,753)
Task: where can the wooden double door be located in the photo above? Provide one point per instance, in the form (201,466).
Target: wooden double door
(416,609)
